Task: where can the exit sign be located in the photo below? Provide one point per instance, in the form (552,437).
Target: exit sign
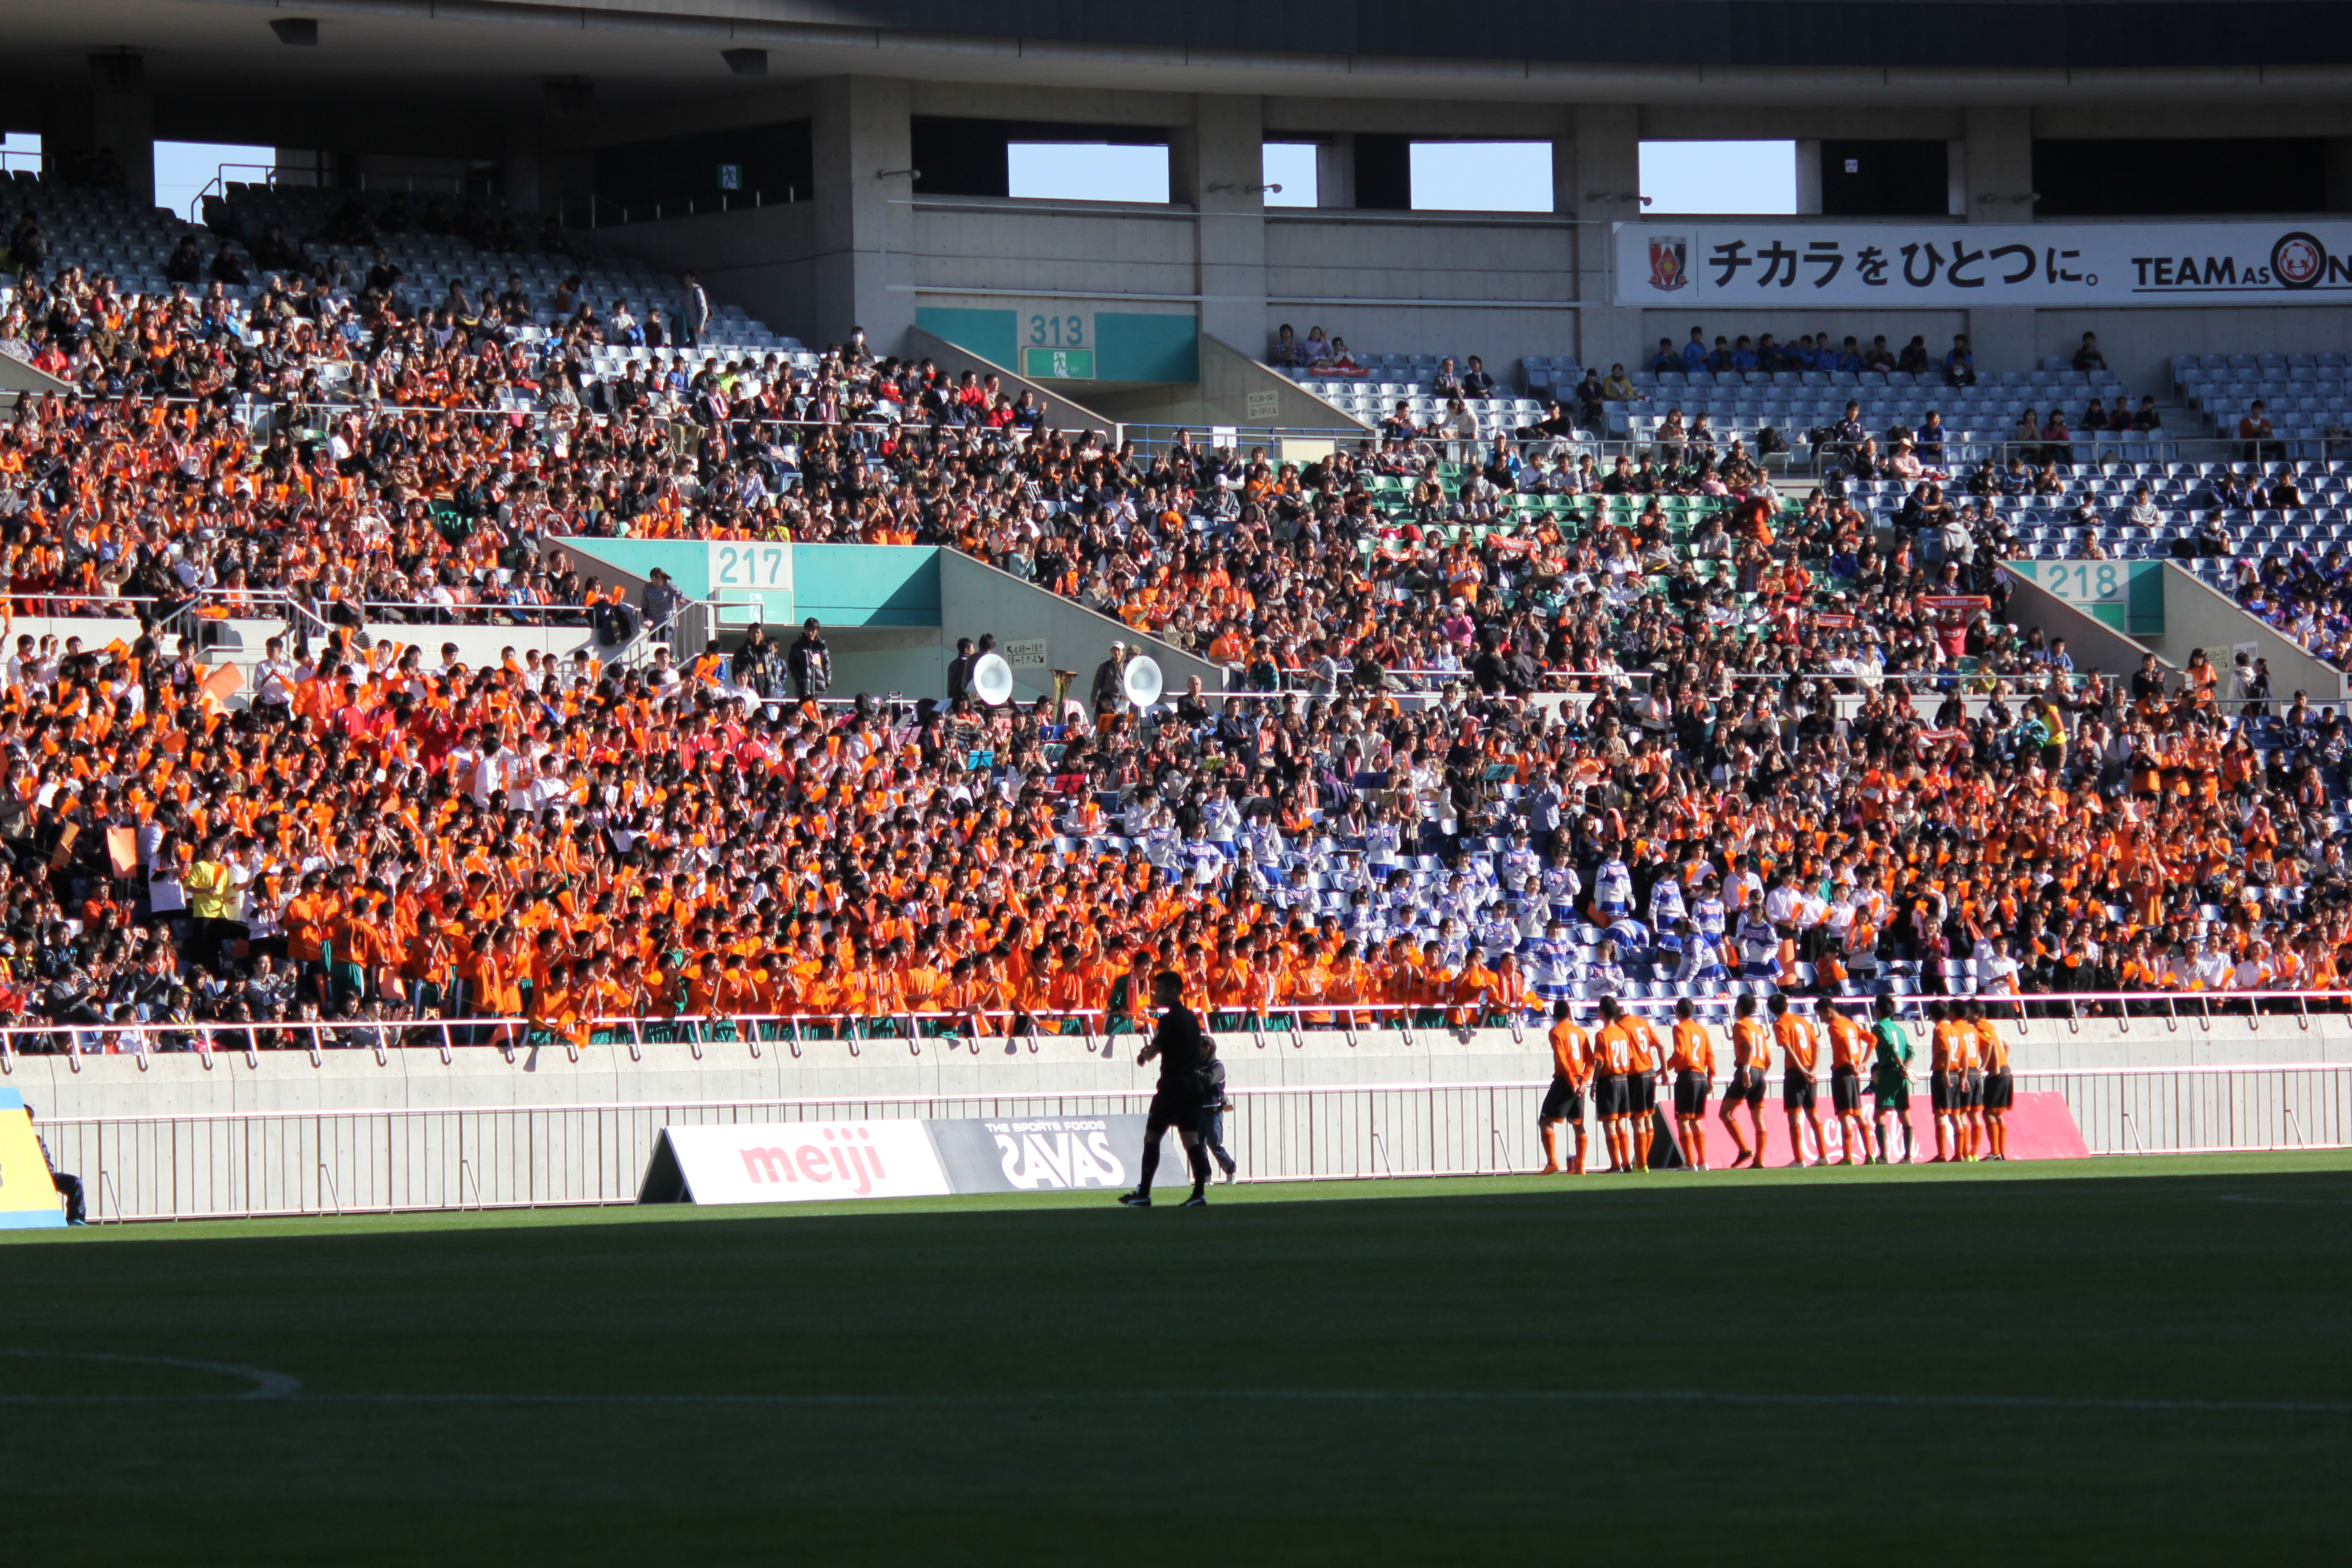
(1057,364)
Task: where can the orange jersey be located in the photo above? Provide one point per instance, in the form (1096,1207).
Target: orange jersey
(1648,1049)
(1571,1051)
(1693,1048)
(1613,1047)
(1800,1046)
(1850,1043)
(1750,1045)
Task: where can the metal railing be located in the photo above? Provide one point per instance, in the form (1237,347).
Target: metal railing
(592,209)
(1264,1022)
(218,185)
(276,604)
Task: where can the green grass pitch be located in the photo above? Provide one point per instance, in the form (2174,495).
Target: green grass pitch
(2142,1361)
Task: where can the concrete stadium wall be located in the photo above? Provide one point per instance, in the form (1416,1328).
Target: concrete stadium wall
(1496,285)
(981,250)
(1500,285)
(416,1078)
(242,641)
(181,1139)
(762,258)
(2091,646)
(1230,381)
(1062,412)
(976,597)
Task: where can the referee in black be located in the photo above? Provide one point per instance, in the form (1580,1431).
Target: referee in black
(1182,1051)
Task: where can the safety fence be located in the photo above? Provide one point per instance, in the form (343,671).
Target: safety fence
(1264,1024)
(261,1163)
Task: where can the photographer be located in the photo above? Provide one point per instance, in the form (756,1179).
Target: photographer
(68,1187)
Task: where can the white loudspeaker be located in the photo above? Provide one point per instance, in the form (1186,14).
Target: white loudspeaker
(1142,680)
(992,679)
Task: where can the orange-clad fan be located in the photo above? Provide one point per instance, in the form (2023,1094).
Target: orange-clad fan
(1503,729)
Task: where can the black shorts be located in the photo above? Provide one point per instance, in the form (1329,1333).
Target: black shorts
(1941,1087)
(1973,1089)
(2000,1091)
(1747,1085)
(1691,1089)
(1563,1102)
(1174,1107)
(1845,1092)
(1797,1092)
(1609,1094)
(1645,1086)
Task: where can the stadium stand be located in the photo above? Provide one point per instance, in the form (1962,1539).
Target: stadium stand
(2306,397)
(1507,721)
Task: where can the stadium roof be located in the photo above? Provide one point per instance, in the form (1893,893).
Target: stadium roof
(218,72)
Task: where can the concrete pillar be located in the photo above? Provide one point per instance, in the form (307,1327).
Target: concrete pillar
(1335,171)
(1606,146)
(864,227)
(521,159)
(1217,163)
(1997,171)
(2335,172)
(122,118)
(302,166)
(551,152)
(1998,154)
(1809,177)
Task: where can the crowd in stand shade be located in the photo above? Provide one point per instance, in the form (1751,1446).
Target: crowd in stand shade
(1507,728)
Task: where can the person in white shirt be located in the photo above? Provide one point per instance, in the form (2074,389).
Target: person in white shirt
(547,788)
(273,677)
(1996,970)
(491,771)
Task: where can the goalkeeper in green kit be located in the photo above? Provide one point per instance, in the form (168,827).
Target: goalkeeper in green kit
(1890,1077)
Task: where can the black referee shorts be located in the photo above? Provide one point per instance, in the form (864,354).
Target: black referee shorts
(1172,1106)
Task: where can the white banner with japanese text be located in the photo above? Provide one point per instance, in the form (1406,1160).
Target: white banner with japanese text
(1785,263)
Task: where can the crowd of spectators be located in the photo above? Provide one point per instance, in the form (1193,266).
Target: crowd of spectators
(1507,725)
(1815,352)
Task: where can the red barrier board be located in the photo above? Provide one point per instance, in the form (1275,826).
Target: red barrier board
(2040,1127)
